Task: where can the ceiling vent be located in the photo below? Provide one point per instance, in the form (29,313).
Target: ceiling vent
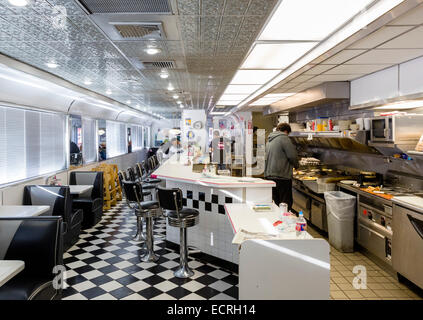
(139,31)
(159,64)
(127,6)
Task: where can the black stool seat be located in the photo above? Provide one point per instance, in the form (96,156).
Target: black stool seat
(147,205)
(152,180)
(185,213)
(148,186)
(146,193)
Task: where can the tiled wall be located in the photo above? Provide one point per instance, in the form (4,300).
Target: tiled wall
(214,223)
(13,194)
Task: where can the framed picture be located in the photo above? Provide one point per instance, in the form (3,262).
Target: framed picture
(188,122)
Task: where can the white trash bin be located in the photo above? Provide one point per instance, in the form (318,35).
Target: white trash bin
(340,208)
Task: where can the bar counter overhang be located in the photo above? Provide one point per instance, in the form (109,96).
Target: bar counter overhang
(213,235)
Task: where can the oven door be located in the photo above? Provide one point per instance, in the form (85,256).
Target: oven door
(381,129)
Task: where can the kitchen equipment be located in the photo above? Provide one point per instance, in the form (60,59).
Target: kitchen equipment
(348,182)
(360,123)
(407,243)
(354,127)
(374,226)
(344,124)
(301,203)
(366,179)
(367,124)
(398,131)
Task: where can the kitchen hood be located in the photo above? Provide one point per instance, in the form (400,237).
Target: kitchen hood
(351,141)
(321,94)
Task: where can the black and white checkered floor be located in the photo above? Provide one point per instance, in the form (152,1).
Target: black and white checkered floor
(105,264)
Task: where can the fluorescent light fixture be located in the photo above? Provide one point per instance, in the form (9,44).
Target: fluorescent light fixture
(19,3)
(401,105)
(52,65)
(227,103)
(361,21)
(271,98)
(152,50)
(232,97)
(322,18)
(239,89)
(276,55)
(254,76)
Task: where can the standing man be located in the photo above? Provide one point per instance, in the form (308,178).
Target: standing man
(281,158)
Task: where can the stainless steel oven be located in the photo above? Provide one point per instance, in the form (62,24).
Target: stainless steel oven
(382,129)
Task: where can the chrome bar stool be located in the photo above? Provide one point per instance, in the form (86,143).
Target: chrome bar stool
(182,218)
(143,209)
(140,235)
(144,175)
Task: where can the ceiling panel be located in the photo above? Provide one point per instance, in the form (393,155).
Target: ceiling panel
(413,18)
(380,36)
(387,56)
(412,39)
(318,69)
(343,56)
(334,77)
(357,69)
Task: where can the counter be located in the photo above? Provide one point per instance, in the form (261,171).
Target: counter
(213,235)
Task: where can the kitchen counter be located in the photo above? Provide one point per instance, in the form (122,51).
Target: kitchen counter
(213,235)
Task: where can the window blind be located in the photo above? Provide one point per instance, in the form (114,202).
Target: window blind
(89,140)
(136,136)
(32,143)
(116,139)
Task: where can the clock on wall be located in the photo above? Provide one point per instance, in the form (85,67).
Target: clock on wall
(198,125)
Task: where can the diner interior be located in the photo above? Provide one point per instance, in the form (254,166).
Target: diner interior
(211,150)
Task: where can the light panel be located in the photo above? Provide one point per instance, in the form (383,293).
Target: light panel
(239,89)
(271,98)
(232,97)
(276,55)
(227,103)
(310,19)
(254,76)
(402,105)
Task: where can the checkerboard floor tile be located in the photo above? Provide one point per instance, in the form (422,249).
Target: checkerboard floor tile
(105,265)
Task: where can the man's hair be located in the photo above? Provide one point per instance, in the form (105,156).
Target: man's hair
(216,133)
(284,127)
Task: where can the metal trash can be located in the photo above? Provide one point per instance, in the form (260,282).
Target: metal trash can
(340,208)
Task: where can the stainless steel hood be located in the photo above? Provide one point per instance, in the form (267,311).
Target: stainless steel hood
(351,141)
(326,92)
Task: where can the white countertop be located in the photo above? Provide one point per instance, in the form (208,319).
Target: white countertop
(22,211)
(242,216)
(79,188)
(9,269)
(177,171)
(410,201)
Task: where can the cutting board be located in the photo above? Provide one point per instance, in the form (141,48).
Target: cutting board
(382,195)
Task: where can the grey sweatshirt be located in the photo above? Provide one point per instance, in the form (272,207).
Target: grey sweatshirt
(281,156)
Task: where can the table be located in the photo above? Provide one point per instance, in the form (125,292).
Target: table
(22,211)
(79,189)
(9,269)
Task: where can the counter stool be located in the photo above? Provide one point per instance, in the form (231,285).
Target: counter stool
(182,218)
(144,175)
(143,209)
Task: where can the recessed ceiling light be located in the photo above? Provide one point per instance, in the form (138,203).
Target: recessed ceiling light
(181,106)
(88,82)
(170,88)
(164,75)
(276,55)
(179,102)
(52,65)
(19,3)
(152,50)
(175,96)
(128,101)
(254,76)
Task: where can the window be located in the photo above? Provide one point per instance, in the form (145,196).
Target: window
(32,143)
(136,136)
(116,139)
(89,141)
(146,136)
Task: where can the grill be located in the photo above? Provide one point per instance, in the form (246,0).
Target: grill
(127,6)
(138,31)
(159,64)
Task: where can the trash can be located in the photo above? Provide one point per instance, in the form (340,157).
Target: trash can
(340,208)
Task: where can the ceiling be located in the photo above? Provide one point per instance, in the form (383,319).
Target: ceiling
(205,41)
(399,40)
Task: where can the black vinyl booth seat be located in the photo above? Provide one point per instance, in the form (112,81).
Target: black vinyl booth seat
(182,218)
(147,210)
(38,242)
(60,201)
(92,204)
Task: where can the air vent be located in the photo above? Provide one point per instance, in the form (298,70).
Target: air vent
(127,6)
(139,30)
(159,64)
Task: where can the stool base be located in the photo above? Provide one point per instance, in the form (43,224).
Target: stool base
(183,272)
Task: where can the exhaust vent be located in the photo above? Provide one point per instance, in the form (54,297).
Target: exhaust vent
(159,64)
(127,6)
(139,30)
